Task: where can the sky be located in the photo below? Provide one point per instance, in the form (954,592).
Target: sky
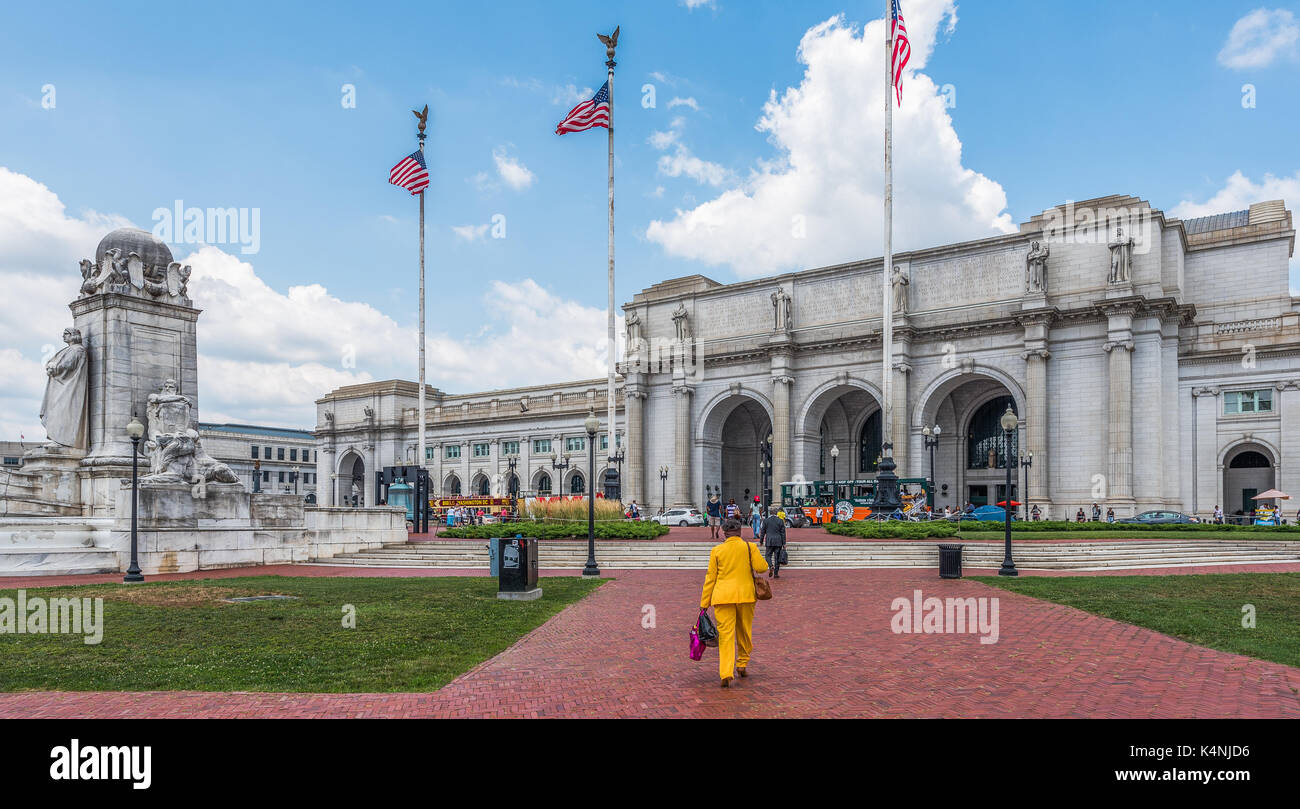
(747,142)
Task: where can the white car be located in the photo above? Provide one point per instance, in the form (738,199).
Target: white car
(681,516)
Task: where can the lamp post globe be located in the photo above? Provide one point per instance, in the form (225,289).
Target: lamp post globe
(134,431)
(1009,424)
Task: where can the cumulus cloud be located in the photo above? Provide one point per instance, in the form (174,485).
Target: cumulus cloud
(681,162)
(511,170)
(689,101)
(470,233)
(818,200)
(266,355)
(1240,192)
(1260,38)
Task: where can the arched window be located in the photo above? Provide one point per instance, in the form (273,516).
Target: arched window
(513,486)
(987,439)
(484,486)
(452,486)
(869,442)
(1250,460)
(577,485)
(544,485)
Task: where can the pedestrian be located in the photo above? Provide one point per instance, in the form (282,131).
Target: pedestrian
(1078,517)
(733,510)
(1218,515)
(714,512)
(1035,514)
(772,538)
(756,521)
(729,589)
(1110,515)
(1096,513)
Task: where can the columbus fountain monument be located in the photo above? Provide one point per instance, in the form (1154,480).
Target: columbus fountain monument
(131,354)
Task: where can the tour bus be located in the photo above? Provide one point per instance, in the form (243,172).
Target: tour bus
(848,499)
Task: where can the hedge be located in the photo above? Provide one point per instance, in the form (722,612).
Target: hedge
(558,530)
(1127,528)
(893,529)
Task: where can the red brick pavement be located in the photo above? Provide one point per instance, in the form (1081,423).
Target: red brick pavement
(823,648)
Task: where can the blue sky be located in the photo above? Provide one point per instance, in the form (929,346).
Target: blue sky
(240,106)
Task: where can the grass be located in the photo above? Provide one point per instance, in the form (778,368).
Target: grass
(1201,609)
(412,634)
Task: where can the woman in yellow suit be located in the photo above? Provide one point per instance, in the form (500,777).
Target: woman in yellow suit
(729,589)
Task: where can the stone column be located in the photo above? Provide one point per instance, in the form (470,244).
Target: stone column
(681,469)
(634,398)
(1206,478)
(1036,427)
(1288,465)
(324,476)
(902,422)
(781,448)
(1119,444)
(369,484)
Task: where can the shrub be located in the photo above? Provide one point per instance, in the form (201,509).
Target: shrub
(893,529)
(568,508)
(622,529)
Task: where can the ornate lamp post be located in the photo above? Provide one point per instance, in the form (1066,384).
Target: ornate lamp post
(765,468)
(135,430)
(592,424)
(512,463)
(617,458)
(1009,423)
(931,440)
(835,480)
(663,489)
(1026,461)
(556,464)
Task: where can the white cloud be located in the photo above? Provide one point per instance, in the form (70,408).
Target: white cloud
(682,163)
(1260,38)
(818,201)
(470,233)
(1240,192)
(511,170)
(694,4)
(689,101)
(265,355)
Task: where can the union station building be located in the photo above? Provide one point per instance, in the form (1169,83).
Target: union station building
(1153,363)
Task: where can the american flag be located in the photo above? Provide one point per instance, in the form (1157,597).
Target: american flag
(588,114)
(902,49)
(411,173)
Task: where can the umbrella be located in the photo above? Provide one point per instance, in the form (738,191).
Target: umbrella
(1003,503)
(1272,494)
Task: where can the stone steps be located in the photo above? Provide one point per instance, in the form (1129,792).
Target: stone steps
(472,554)
(57,562)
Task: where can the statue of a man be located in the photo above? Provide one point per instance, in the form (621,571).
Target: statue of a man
(633,324)
(1036,267)
(781,308)
(63,410)
(1121,258)
(681,321)
(900,282)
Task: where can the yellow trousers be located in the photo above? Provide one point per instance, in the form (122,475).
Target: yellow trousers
(735,628)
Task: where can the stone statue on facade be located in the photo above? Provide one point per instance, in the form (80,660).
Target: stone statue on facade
(176,454)
(682,323)
(63,410)
(633,325)
(1121,258)
(1036,267)
(781,303)
(124,274)
(900,282)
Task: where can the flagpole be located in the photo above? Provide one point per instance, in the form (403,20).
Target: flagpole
(887,498)
(421,458)
(613,433)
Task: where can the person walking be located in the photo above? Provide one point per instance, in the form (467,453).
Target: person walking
(756,521)
(733,510)
(729,589)
(772,538)
(714,511)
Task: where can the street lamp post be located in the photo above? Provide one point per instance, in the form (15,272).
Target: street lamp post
(835,480)
(1009,423)
(617,459)
(765,467)
(663,489)
(592,424)
(512,462)
(1026,461)
(135,430)
(931,439)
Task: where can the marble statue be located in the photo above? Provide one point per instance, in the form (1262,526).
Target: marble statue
(176,454)
(781,308)
(63,410)
(1036,267)
(682,322)
(633,324)
(1121,258)
(900,282)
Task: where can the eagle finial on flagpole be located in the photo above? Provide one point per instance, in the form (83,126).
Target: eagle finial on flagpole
(423,115)
(610,42)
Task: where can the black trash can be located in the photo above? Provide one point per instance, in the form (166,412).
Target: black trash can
(950,561)
(517,563)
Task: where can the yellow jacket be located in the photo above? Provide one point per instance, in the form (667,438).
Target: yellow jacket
(729,580)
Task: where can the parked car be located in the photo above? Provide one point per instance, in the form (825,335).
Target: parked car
(1160,518)
(990,514)
(681,516)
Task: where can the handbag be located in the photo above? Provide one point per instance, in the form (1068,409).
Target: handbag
(697,645)
(785,558)
(762,587)
(706,629)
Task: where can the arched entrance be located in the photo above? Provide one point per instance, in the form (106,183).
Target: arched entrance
(735,439)
(577,483)
(451,486)
(970,462)
(481,485)
(843,416)
(1248,469)
(512,486)
(352,480)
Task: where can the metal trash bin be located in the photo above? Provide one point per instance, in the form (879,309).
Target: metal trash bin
(950,561)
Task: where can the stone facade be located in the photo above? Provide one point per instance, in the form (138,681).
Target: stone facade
(1150,360)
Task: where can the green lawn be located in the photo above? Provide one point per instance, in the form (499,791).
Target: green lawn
(1201,609)
(412,634)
